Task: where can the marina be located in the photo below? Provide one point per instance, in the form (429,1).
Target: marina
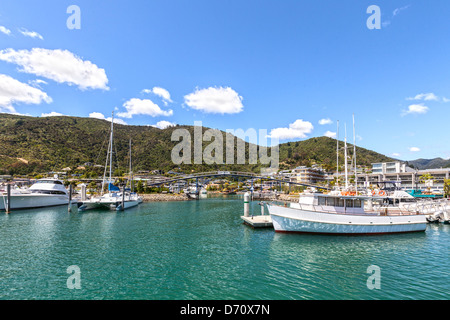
(201,250)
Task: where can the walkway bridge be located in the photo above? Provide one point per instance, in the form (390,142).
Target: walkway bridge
(232,174)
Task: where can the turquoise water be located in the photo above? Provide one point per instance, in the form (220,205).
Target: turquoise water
(201,250)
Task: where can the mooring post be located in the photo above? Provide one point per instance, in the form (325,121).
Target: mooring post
(123,198)
(246,204)
(70,198)
(8,198)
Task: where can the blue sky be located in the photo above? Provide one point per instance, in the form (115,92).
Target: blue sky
(280,65)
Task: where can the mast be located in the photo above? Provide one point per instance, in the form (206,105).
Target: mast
(130,172)
(354,152)
(111,150)
(345,158)
(337,155)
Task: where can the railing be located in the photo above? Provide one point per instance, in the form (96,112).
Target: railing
(425,207)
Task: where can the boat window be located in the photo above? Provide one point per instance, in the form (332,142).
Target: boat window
(49,181)
(357,203)
(322,201)
(340,203)
(331,202)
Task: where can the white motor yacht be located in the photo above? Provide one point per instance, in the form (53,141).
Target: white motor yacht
(44,192)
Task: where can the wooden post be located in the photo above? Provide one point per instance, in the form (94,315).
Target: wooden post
(123,198)
(8,198)
(70,197)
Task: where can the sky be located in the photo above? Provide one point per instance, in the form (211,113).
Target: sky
(293,68)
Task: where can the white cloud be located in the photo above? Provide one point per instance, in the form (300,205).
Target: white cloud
(424,96)
(325,121)
(330,134)
(5,30)
(416,109)
(31,34)
(164,124)
(52,114)
(395,154)
(215,100)
(444,99)
(160,92)
(13,91)
(414,149)
(59,65)
(98,115)
(298,129)
(147,107)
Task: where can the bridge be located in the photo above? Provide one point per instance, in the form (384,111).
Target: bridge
(232,174)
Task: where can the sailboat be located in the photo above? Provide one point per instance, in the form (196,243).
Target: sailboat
(114,199)
(343,212)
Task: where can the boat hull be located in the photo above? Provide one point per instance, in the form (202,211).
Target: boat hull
(29,201)
(287,219)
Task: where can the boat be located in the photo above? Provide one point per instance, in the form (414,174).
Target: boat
(45,192)
(346,211)
(114,199)
(348,215)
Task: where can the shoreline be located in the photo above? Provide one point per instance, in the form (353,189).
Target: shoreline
(163,197)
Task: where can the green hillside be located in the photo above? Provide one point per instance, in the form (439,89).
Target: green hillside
(30,145)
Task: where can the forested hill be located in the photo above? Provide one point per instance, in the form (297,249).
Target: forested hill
(30,145)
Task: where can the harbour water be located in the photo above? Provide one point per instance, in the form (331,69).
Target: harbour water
(201,250)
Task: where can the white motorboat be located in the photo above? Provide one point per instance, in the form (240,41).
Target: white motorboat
(114,199)
(346,211)
(335,214)
(44,192)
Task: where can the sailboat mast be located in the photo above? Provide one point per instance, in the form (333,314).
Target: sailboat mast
(337,155)
(354,152)
(130,172)
(111,150)
(345,158)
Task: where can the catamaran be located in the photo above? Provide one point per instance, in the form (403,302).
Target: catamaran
(114,199)
(346,211)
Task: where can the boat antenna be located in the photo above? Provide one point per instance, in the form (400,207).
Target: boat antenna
(354,153)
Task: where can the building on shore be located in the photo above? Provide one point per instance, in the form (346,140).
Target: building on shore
(408,177)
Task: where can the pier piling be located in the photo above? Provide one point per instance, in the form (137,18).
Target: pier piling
(70,198)
(8,198)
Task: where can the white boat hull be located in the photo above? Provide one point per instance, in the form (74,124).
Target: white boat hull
(28,201)
(287,219)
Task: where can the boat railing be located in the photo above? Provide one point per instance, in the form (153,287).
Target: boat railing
(382,210)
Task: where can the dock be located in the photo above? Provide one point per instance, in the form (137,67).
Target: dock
(264,221)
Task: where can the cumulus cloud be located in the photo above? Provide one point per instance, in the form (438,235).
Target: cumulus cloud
(330,134)
(147,107)
(215,100)
(424,96)
(31,34)
(59,65)
(298,129)
(52,114)
(13,91)
(98,115)
(164,124)
(325,121)
(416,109)
(5,30)
(414,149)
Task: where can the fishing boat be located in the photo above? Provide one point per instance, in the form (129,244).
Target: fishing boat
(45,192)
(114,199)
(343,214)
(344,211)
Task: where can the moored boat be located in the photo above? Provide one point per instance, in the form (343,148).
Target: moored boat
(331,214)
(44,192)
